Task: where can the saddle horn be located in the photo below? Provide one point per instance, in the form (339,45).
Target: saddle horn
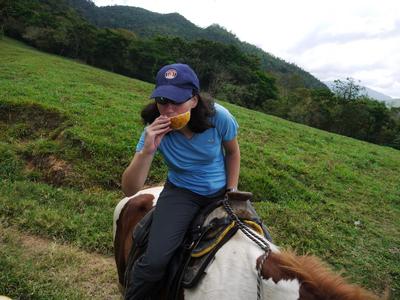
(239,196)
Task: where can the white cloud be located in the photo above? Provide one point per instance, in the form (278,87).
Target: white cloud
(335,39)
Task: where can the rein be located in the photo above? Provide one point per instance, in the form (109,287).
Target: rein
(254,237)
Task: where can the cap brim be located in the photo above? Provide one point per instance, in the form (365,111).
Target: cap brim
(172,92)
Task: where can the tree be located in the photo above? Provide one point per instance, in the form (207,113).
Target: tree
(111,51)
(347,90)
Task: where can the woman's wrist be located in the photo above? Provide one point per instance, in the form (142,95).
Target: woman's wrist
(148,152)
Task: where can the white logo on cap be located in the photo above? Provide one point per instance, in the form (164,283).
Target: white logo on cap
(171,74)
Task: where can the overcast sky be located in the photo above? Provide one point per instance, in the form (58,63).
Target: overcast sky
(329,39)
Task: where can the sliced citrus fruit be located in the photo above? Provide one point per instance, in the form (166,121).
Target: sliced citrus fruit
(179,121)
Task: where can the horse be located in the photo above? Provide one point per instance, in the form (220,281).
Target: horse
(233,272)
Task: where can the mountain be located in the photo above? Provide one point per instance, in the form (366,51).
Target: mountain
(393,103)
(147,24)
(389,101)
(376,95)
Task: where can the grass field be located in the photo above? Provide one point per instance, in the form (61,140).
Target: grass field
(67,131)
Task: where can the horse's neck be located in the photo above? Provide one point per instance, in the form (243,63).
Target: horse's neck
(233,275)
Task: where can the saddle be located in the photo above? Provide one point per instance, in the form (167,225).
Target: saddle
(209,231)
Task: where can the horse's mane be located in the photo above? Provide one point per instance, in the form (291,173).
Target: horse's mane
(318,281)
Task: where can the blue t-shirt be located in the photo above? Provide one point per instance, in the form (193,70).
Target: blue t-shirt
(198,163)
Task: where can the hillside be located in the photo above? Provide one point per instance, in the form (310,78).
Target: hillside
(149,24)
(68,130)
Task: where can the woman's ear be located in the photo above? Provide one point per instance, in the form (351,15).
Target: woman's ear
(194,100)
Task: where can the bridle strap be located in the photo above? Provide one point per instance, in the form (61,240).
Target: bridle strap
(254,237)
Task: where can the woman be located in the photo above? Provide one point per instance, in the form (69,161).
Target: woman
(203,160)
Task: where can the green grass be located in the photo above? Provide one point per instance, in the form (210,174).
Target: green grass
(67,131)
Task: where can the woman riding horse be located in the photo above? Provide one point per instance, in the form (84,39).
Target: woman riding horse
(232,273)
(198,141)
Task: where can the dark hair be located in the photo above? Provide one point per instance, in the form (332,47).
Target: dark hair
(199,117)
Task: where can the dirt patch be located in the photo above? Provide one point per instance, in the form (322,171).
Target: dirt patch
(93,274)
(54,170)
(25,125)
(37,119)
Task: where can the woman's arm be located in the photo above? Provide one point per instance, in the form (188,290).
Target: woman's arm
(136,173)
(232,160)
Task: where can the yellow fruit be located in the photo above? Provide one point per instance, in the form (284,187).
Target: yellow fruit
(179,121)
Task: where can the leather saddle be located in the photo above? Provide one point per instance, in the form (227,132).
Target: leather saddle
(210,230)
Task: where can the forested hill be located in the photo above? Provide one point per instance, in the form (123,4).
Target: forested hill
(149,24)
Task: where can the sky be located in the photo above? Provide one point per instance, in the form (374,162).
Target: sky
(330,39)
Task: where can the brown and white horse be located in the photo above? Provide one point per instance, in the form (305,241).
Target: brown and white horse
(232,274)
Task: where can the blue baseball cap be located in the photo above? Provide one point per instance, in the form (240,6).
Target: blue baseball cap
(176,82)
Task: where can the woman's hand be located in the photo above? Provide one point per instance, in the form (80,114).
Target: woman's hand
(154,134)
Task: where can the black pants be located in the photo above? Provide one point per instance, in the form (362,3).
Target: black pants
(176,207)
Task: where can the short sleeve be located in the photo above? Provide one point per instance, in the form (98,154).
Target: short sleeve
(225,123)
(140,144)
